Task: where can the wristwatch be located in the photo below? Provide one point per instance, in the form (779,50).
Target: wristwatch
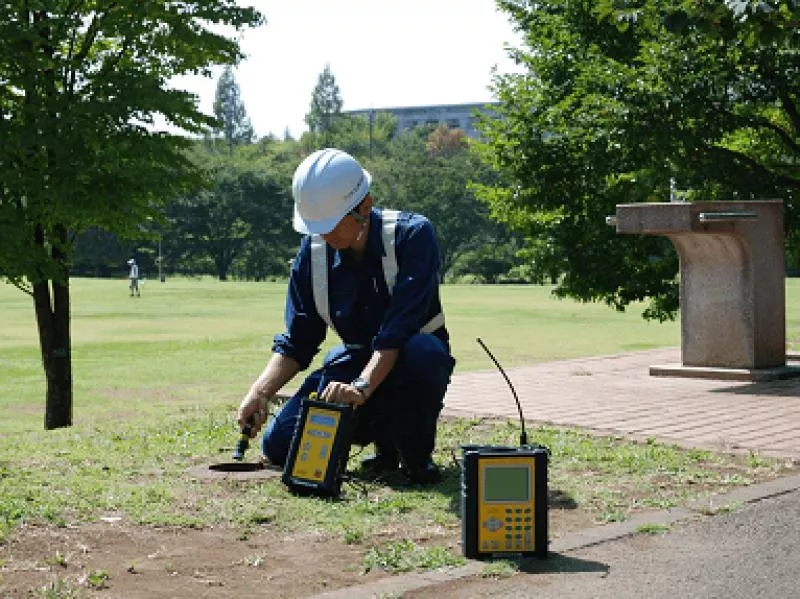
(361,386)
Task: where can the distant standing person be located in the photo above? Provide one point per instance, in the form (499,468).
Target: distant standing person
(133,276)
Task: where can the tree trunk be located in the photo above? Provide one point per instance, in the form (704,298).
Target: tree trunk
(53,321)
(52,313)
(223,260)
(54,342)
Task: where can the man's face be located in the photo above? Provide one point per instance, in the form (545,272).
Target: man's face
(343,234)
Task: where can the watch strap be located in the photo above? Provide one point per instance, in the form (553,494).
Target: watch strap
(361,385)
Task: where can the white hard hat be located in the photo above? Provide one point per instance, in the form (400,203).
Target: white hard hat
(326,186)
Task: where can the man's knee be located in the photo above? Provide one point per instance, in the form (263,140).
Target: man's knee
(280,430)
(426,358)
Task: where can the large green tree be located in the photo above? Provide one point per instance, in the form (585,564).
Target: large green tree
(617,97)
(234,124)
(82,87)
(243,216)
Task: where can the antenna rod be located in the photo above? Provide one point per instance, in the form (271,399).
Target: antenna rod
(523,437)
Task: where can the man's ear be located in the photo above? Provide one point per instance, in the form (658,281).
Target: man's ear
(366,205)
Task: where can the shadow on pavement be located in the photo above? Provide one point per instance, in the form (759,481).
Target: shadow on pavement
(785,388)
(556,562)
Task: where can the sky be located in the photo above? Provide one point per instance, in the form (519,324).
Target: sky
(382,53)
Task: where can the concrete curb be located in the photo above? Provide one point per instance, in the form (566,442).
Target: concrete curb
(394,585)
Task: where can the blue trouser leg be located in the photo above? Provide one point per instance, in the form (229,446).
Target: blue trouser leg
(402,412)
(420,379)
(279,431)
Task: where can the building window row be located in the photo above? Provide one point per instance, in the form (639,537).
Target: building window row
(410,117)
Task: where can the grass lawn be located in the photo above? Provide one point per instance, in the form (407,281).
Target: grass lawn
(202,342)
(156,382)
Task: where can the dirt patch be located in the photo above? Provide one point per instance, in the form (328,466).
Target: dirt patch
(142,562)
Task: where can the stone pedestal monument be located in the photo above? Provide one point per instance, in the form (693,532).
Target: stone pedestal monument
(732,284)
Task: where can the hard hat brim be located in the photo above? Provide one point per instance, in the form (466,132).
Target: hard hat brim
(321,227)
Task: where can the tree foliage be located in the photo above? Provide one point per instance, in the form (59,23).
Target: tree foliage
(425,174)
(234,125)
(616,98)
(355,134)
(242,221)
(326,105)
(239,226)
(81,87)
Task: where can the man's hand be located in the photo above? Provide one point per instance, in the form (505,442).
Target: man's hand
(343,393)
(252,412)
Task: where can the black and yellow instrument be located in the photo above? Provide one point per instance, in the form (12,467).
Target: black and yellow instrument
(504,501)
(504,496)
(320,448)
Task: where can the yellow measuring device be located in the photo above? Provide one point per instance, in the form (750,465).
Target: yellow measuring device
(504,501)
(319,449)
(504,495)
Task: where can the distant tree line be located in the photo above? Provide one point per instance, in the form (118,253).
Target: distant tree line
(238,224)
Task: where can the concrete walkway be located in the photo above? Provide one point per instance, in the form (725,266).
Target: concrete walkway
(616,394)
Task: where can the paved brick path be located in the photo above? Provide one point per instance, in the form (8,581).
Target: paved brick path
(616,394)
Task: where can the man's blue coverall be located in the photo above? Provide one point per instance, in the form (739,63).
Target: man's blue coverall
(401,414)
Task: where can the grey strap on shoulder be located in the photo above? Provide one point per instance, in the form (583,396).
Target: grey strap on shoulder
(388,235)
(390,269)
(434,323)
(319,278)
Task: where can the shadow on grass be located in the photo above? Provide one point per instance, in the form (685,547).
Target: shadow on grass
(450,486)
(561,499)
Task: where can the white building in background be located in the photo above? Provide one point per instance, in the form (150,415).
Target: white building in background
(461,116)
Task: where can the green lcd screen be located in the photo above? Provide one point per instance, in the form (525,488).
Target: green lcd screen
(506,483)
